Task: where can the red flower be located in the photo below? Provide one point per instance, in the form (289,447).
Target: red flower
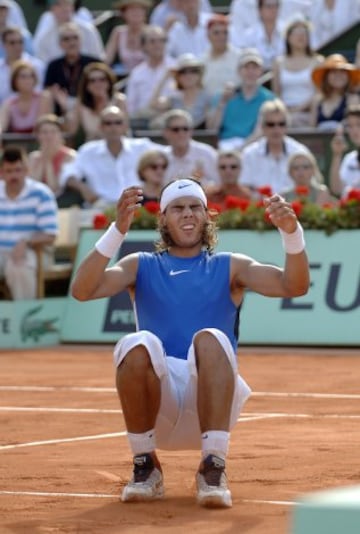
(353,194)
(259,203)
(236,202)
(265,191)
(213,206)
(297,207)
(100,221)
(152,206)
(302,190)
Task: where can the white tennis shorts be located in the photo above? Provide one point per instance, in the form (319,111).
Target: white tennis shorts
(177,425)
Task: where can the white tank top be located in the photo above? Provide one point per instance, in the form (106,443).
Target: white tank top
(296,86)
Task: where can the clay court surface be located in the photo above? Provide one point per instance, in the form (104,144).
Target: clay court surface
(64,456)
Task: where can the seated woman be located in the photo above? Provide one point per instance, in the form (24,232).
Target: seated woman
(19,112)
(335,78)
(292,73)
(189,94)
(96,92)
(125,39)
(151,170)
(308,180)
(46,163)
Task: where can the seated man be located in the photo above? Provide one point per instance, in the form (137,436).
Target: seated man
(187,156)
(229,167)
(102,169)
(28,218)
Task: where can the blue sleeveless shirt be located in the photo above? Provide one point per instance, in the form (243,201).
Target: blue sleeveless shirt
(176,297)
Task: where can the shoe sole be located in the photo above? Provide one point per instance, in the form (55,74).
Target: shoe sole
(130,496)
(215,501)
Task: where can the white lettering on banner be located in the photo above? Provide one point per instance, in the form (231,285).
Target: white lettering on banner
(122,316)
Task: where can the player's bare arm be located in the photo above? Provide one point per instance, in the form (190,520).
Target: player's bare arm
(290,281)
(93,278)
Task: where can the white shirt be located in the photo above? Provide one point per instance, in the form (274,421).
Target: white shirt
(350,172)
(255,37)
(328,23)
(47,47)
(200,158)
(105,174)
(220,70)
(5,89)
(182,39)
(259,168)
(142,82)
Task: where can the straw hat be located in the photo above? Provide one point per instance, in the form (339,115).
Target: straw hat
(335,62)
(122,4)
(187,60)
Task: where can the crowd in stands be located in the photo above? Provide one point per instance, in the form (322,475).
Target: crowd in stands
(251,77)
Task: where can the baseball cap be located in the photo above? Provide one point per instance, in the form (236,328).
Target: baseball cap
(250,55)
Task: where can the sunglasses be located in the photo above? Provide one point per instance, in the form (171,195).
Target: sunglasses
(15,42)
(111,123)
(69,37)
(219,32)
(97,79)
(230,166)
(178,129)
(157,166)
(272,124)
(190,70)
(304,166)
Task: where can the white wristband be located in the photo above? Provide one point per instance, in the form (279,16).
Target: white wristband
(293,243)
(110,242)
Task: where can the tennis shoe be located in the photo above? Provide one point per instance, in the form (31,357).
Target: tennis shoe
(211,482)
(147,481)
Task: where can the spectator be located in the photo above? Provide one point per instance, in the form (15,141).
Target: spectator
(189,36)
(16,16)
(6,21)
(235,114)
(187,157)
(244,14)
(265,162)
(229,168)
(266,35)
(13,43)
(357,54)
(28,218)
(166,12)
(307,180)
(331,17)
(345,171)
(292,71)
(151,170)
(335,78)
(221,60)
(145,78)
(96,92)
(189,94)
(103,168)
(46,163)
(125,40)
(63,73)
(19,112)
(46,41)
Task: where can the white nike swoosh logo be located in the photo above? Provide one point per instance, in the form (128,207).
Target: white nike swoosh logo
(174,273)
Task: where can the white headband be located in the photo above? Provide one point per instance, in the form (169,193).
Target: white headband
(181,188)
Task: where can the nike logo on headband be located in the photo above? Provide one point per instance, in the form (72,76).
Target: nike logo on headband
(181,186)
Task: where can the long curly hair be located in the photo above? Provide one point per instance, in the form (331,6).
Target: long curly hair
(209,236)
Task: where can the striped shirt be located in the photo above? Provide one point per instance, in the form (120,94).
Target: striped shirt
(33,210)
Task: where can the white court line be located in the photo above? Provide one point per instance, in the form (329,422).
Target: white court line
(62,440)
(57,410)
(113,390)
(115,497)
